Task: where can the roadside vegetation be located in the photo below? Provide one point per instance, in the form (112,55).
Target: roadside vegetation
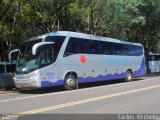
(131,20)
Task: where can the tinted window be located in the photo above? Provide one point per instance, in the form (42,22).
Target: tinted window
(135,50)
(47,55)
(100,47)
(123,49)
(1,48)
(78,45)
(58,41)
(154,57)
(157,57)
(27,46)
(109,48)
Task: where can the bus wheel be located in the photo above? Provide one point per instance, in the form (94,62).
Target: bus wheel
(70,82)
(129,76)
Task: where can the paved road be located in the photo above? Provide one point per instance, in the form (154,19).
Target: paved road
(139,96)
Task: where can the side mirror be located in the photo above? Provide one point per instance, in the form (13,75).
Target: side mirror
(10,53)
(36,46)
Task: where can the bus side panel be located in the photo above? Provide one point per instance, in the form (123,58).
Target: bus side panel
(142,69)
(59,71)
(95,68)
(103,67)
(50,76)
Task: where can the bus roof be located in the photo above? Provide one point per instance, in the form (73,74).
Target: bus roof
(85,36)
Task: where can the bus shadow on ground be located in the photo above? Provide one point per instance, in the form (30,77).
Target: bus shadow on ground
(152,74)
(81,86)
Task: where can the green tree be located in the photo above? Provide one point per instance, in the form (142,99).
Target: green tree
(132,20)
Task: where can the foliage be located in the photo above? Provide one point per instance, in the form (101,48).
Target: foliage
(132,20)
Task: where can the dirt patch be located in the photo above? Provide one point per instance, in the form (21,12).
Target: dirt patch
(3,91)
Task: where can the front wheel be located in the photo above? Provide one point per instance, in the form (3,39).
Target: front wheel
(70,82)
(129,76)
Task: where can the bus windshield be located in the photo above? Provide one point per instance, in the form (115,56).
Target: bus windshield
(26,61)
(45,54)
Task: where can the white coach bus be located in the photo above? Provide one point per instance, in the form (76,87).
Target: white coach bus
(154,63)
(69,58)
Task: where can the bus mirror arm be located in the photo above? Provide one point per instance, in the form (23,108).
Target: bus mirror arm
(36,46)
(10,53)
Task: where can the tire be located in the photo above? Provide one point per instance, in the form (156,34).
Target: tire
(70,82)
(129,76)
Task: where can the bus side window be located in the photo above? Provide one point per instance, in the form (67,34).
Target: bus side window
(93,47)
(157,58)
(153,58)
(48,55)
(107,49)
(84,46)
(72,47)
(83,50)
(100,47)
(0,58)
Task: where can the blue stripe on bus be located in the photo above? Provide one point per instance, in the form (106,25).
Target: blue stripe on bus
(119,60)
(101,78)
(138,73)
(141,71)
(48,83)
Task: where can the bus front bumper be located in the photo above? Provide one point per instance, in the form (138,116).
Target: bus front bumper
(26,83)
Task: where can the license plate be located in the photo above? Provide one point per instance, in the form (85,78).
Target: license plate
(21,76)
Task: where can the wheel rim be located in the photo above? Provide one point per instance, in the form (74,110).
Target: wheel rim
(70,82)
(129,76)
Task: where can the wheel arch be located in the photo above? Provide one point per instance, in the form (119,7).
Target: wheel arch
(129,70)
(72,72)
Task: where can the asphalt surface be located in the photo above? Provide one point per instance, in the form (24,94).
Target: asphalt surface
(140,96)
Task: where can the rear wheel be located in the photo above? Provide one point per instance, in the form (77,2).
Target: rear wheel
(70,82)
(129,76)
